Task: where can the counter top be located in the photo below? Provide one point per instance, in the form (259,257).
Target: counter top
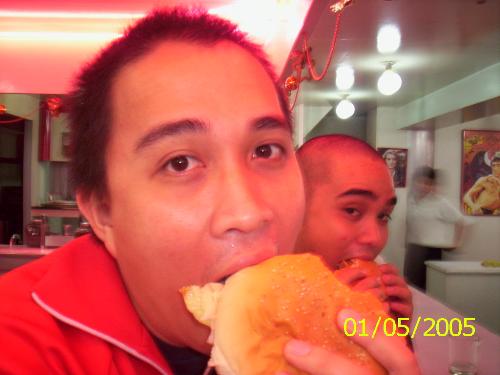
(432,350)
(23,250)
(461,267)
(55,212)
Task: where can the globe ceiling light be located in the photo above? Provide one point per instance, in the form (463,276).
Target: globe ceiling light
(389,82)
(388,39)
(344,77)
(344,109)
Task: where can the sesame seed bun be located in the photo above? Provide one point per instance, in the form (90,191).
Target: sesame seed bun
(262,307)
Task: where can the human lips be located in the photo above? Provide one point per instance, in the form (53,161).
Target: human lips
(242,260)
(362,256)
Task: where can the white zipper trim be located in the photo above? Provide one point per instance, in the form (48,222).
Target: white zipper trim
(92,331)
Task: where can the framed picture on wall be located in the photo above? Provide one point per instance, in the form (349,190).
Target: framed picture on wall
(480,190)
(396,160)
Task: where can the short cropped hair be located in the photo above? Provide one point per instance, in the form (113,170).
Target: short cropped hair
(426,172)
(89,104)
(317,150)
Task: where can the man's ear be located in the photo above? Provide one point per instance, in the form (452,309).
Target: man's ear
(97,210)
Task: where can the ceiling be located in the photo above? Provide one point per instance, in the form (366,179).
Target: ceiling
(42,63)
(442,41)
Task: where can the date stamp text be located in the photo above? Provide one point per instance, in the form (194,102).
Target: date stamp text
(402,327)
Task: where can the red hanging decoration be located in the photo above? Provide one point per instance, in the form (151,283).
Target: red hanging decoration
(54,106)
(303,57)
(291,84)
(44,132)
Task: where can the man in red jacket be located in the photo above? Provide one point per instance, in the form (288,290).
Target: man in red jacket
(183,163)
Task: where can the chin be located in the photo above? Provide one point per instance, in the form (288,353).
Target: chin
(198,338)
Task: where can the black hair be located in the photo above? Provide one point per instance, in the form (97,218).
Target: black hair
(89,105)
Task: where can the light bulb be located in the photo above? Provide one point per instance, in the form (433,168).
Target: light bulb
(344,77)
(389,82)
(388,39)
(344,109)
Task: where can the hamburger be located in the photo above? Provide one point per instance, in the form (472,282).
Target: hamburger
(260,308)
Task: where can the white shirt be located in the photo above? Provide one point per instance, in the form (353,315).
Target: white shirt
(432,221)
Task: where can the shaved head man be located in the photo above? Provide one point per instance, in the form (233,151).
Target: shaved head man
(349,200)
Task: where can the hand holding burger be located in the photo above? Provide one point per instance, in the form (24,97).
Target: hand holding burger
(261,308)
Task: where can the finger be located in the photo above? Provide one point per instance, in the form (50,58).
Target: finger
(391,279)
(367,283)
(318,361)
(388,268)
(401,309)
(349,276)
(398,292)
(390,351)
(379,293)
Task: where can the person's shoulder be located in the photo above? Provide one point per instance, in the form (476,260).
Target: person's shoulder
(17,286)
(23,324)
(481,180)
(29,334)
(441,199)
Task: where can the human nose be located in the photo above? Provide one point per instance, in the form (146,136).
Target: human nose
(241,204)
(373,235)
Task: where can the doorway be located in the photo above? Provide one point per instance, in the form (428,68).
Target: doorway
(12,129)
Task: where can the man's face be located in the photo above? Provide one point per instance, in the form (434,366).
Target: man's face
(495,168)
(424,186)
(202,177)
(391,161)
(347,216)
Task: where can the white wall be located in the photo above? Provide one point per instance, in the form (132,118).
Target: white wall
(476,88)
(383,131)
(331,124)
(481,239)
(305,118)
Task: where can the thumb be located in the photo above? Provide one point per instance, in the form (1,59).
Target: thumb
(318,361)
(390,351)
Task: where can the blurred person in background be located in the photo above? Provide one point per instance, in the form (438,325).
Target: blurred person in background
(433,225)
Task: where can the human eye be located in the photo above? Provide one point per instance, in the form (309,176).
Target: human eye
(180,164)
(269,151)
(385,217)
(353,212)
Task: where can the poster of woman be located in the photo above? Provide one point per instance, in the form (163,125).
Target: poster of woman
(396,159)
(481,172)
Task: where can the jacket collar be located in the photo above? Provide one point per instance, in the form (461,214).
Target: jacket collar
(83,287)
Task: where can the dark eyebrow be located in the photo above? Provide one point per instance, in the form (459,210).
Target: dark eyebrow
(271,122)
(367,193)
(362,192)
(169,129)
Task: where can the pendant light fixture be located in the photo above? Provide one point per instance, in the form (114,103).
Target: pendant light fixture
(389,82)
(344,77)
(344,109)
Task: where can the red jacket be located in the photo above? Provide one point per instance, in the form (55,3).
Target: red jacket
(69,313)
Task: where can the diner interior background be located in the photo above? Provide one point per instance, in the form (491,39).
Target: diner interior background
(449,62)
